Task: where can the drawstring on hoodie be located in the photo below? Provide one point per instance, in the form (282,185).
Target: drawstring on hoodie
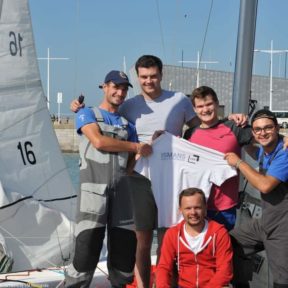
(214,244)
(178,252)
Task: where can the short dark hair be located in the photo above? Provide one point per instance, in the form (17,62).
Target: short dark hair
(264,113)
(147,61)
(203,91)
(190,192)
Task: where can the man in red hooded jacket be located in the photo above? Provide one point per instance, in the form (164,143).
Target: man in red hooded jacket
(200,247)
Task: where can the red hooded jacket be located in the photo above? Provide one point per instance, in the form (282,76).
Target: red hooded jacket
(210,267)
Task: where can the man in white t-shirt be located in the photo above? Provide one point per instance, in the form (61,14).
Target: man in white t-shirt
(154,109)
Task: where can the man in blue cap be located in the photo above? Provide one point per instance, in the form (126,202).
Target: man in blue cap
(107,141)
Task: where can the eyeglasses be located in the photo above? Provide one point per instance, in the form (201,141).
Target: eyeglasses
(266,129)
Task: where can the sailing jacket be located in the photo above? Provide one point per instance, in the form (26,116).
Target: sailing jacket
(210,267)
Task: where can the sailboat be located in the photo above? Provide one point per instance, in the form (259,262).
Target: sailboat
(37,197)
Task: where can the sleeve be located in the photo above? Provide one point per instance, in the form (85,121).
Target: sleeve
(167,258)
(224,256)
(221,174)
(221,170)
(83,117)
(132,134)
(188,133)
(243,134)
(189,111)
(142,167)
(279,166)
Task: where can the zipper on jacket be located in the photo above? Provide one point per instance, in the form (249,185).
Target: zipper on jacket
(197,271)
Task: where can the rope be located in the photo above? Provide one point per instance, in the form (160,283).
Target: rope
(205,35)
(75,62)
(106,274)
(161,29)
(29,251)
(206,30)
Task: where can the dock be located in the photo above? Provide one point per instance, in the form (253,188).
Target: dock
(67,136)
(69,139)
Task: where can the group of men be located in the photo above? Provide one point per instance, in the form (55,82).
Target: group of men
(115,197)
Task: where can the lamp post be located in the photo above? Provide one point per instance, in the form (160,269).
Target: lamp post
(59,101)
(198,66)
(271,52)
(48,58)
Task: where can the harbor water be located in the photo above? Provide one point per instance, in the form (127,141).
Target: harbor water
(72,163)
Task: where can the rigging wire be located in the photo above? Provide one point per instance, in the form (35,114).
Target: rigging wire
(76,54)
(206,30)
(161,29)
(176,26)
(205,35)
(29,251)
(76,45)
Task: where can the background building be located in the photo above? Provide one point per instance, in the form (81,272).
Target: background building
(184,79)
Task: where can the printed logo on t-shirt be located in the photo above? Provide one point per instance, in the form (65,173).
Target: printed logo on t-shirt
(193,158)
(81,117)
(172,156)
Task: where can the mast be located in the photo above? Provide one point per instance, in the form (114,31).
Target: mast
(244,56)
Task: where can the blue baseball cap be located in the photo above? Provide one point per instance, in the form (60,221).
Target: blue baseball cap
(117,77)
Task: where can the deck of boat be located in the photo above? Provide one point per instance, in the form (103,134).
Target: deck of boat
(50,278)
(54,277)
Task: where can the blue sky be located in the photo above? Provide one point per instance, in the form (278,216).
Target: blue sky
(97,35)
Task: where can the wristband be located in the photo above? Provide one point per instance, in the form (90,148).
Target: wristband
(238,163)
